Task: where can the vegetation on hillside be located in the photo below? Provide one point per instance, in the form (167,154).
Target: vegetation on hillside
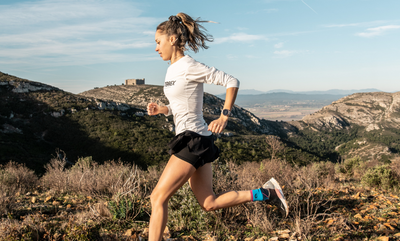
(84,130)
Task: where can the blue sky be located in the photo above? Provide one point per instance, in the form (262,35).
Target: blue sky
(300,45)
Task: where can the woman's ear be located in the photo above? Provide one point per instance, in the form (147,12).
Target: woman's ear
(172,40)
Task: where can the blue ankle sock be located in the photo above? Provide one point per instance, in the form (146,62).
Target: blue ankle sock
(260,194)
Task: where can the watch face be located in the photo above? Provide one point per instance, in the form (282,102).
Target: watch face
(225,112)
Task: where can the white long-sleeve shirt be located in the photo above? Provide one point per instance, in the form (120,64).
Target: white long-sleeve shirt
(183,87)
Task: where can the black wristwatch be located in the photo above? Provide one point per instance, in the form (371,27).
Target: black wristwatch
(226,112)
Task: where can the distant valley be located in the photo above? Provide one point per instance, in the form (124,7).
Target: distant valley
(287,105)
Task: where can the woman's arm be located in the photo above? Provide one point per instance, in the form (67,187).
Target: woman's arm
(219,124)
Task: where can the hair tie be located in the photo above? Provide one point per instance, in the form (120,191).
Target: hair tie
(174,18)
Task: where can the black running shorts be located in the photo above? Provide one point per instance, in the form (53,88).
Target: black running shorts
(194,148)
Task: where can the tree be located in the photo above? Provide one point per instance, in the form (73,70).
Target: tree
(275,145)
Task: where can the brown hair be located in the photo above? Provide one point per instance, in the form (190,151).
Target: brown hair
(188,32)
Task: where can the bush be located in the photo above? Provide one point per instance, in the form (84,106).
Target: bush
(14,178)
(348,166)
(89,178)
(126,208)
(379,176)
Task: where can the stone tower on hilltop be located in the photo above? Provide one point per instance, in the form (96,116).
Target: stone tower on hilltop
(135,81)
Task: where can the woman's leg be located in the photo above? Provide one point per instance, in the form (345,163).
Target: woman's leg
(201,184)
(175,174)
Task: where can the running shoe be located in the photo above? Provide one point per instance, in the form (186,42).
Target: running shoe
(277,198)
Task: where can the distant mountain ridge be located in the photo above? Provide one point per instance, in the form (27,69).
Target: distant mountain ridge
(311,92)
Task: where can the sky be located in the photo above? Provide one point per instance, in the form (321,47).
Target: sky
(298,45)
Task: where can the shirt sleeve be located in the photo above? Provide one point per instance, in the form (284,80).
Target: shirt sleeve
(169,110)
(199,72)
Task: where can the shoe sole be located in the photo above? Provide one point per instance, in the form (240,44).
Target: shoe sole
(279,193)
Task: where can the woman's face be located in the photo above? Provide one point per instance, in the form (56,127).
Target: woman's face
(164,45)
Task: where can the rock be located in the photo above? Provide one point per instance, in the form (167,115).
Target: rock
(129,232)
(166,233)
(10,129)
(30,86)
(139,114)
(56,203)
(284,236)
(145,233)
(58,114)
(263,238)
(383,238)
(33,200)
(229,134)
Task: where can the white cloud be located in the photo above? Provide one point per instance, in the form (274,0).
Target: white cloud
(371,32)
(360,24)
(240,37)
(287,53)
(249,56)
(342,25)
(72,32)
(278,45)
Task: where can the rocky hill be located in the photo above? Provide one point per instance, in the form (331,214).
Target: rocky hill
(371,122)
(374,111)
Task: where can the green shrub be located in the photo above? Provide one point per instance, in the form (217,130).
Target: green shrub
(185,213)
(348,166)
(126,208)
(379,176)
(323,169)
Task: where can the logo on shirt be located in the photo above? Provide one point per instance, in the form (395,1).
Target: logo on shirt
(169,83)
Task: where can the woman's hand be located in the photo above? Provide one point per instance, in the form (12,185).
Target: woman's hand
(153,109)
(216,126)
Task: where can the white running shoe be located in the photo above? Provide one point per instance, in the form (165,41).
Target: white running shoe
(278,199)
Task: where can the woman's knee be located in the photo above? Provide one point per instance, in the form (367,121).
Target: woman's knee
(208,206)
(158,197)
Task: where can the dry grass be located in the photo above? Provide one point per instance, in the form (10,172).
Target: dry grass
(86,177)
(314,194)
(14,179)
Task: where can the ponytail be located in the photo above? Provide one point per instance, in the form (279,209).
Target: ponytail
(187,31)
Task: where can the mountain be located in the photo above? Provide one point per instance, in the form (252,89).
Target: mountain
(374,111)
(361,124)
(38,122)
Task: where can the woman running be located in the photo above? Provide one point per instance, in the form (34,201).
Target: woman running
(192,149)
